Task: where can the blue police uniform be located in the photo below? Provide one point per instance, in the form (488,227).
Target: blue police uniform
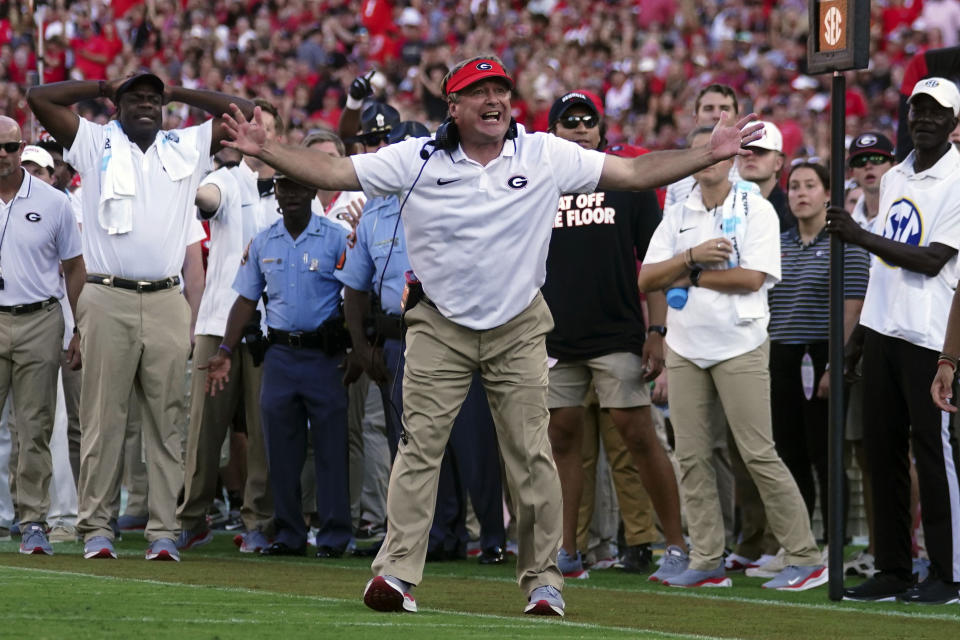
(471,462)
(301,379)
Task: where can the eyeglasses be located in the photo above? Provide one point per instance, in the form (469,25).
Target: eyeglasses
(11,147)
(876,159)
(572,122)
(807,160)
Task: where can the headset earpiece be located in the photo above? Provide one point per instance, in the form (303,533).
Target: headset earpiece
(511,130)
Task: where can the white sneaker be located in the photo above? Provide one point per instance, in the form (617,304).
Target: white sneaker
(735,562)
(862,564)
(771,568)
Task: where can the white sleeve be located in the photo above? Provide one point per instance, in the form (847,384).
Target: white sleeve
(946,226)
(84,154)
(388,171)
(69,244)
(663,243)
(761,251)
(575,169)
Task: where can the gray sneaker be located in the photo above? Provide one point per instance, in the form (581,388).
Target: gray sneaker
(190,538)
(163,549)
(251,541)
(99,547)
(697,578)
(545,601)
(795,578)
(674,562)
(35,541)
(571,566)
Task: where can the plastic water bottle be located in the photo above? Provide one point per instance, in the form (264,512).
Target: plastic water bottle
(677,297)
(733,218)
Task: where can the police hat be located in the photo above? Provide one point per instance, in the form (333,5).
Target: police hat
(407,129)
(379,118)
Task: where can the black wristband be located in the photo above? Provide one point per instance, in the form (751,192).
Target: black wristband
(695,276)
(657,328)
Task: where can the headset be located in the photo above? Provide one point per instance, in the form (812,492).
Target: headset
(447,137)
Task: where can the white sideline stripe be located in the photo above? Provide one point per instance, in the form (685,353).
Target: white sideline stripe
(953,490)
(511,619)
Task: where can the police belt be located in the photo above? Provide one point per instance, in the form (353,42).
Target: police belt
(388,326)
(20,309)
(331,338)
(140,286)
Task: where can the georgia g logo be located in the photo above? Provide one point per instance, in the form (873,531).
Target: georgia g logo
(517,182)
(904,223)
(484,66)
(33,216)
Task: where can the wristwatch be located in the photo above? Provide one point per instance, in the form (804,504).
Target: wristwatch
(658,328)
(695,276)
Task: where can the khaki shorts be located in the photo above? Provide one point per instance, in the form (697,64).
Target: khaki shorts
(618,378)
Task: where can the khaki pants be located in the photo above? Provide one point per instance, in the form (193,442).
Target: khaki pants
(30,348)
(138,340)
(210,420)
(635,506)
(742,386)
(441,357)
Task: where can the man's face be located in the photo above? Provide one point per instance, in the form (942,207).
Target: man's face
(715,172)
(327,147)
(141,111)
(579,116)
(760,165)
(373,142)
(868,168)
(712,104)
(929,123)
(269,126)
(11,146)
(293,196)
(38,172)
(482,113)
(62,172)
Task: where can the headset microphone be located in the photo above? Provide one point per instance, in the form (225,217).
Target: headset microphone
(424,154)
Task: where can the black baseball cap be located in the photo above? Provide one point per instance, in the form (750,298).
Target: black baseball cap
(582,97)
(407,129)
(379,118)
(145,77)
(870,142)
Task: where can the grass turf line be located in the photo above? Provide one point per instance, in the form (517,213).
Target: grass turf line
(477,597)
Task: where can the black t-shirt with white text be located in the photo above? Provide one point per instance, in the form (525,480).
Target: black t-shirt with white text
(591,284)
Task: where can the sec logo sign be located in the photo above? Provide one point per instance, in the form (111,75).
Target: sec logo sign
(904,223)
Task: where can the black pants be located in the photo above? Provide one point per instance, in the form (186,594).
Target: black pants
(898,410)
(801,426)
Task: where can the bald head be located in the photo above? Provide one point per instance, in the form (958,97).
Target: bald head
(11,145)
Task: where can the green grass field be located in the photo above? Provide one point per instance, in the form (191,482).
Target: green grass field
(218,593)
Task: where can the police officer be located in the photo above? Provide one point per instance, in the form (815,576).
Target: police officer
(293,260)
(377,264)
(37,235)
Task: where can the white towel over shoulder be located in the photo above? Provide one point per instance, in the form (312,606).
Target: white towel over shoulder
(178,155)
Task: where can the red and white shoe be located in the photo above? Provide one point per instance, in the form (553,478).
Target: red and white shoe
(387,593)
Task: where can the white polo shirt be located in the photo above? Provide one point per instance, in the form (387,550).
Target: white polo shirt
(163,209)
(265,207)
(38,231)
(707,330)
(227,243)
(334,212)
(477,236)
(918,209)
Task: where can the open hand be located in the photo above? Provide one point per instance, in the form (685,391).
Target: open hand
(218,373)
(243,135)
(728,140)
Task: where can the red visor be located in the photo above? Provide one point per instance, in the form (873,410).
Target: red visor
(476,71)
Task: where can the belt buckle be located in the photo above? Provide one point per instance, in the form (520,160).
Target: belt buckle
(108,281)
(142,285)
(295,339)
(17,309)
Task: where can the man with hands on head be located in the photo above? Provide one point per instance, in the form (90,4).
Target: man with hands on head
(904,320)
(135,325)
(479,210)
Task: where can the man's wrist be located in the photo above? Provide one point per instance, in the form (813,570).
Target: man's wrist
(657,329)
(353,104)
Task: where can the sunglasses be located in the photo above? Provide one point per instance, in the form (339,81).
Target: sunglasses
(875,159)
(373,139)
(572,122)
(11,147)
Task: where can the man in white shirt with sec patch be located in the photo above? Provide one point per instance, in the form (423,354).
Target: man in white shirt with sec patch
(139,187)
(912,281)
(37,235)
(479,211)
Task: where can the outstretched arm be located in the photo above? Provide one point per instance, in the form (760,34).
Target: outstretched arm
(664,167)
(312,168)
